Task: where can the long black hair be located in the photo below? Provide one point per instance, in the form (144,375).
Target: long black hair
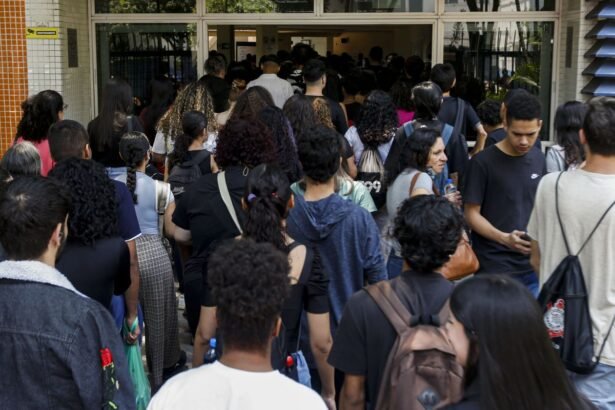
(193,125)
(415,151)
(510,348)
(568,121)
(427,99)
(134,147)
(300,113)
(377,120)
(266,197)
(162,95)
(115,108)
(274,119)
(39,113)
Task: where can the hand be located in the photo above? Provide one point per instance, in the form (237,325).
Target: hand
(132,337)
(455,198)
(329,401)
(515,242)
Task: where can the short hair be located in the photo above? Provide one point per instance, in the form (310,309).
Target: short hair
(67,139)
(269,59)
(215,64)
(22,159)
(444,76)
(599,124)
(249,282)
(376,53)
(30,210)
(489,112)
(314,70)
(301,53)
(427,99)
(319,153)
(524,107)
(428,229)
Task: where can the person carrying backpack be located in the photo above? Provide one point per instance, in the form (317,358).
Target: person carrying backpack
(573,223)
(377,348)
(189,160)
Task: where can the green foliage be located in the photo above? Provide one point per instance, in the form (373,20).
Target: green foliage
(146,6)
(240,6)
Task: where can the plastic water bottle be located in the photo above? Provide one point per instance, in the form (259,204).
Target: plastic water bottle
(449,187)
(211,355)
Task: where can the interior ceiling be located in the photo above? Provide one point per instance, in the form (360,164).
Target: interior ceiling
(323,30)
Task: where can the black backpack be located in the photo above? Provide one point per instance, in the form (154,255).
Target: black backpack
(184,174)
(564,301)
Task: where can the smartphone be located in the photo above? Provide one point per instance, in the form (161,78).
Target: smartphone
(526,237)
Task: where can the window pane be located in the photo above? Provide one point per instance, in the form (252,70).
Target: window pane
(497,5)
(491,58)
(379,6)
(259,6)
(145,6)
(141,52)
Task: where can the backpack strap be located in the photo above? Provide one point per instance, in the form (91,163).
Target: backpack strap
(226,198)
(390,304)
(447,133)
(415,178)
(161,203)
(461,108)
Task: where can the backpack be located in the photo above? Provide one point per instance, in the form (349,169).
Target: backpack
(421,371)
(564,301)
(371,174)
(184,174)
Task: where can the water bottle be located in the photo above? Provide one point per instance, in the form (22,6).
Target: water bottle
(449,187)
(211,355)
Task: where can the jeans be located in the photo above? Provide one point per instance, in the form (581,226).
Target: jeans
(530,280)
(394,265)
(598,387)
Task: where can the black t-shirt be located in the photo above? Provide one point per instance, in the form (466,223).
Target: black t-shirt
(495,136)
(98,271)
(337,114)
(456,149)
(505,187)
(353,110)
(110,156)
(365,337)
(220,91)
(204,165)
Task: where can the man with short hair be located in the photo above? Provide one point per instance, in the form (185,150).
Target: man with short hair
(428,229)
(315,77)
(60,349)
(489,113)
(345,234)
(583,197)
(280,90)
(500,188)
(249,282)
(219,89)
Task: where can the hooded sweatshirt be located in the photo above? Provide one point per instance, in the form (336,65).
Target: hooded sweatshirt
(347,238)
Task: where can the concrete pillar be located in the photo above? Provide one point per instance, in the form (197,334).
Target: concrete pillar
(226,41)
(266,40)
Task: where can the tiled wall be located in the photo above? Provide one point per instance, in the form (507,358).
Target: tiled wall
(13,67)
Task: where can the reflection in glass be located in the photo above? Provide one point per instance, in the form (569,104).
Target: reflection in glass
(145,6)
(142,52)
(259,6)
(491,58)
(498,5)
(379,6)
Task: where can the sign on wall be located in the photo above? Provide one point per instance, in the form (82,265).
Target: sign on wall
(43,33)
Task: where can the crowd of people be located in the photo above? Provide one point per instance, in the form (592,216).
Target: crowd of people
(318,217)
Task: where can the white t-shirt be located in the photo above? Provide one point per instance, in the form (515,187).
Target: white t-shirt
(218,387)
(583,198)
(280,89)
(162,148)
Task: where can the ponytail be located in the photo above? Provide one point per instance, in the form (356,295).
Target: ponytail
(134,147)
(193,125)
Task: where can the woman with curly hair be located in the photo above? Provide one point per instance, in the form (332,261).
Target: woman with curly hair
(274,119)
(251,102)
(194,97)
(39,113)
(157,291)
(96,259)
(203,217)
(114,120)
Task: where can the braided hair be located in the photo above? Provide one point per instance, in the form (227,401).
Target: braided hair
(134,147)
(266,196)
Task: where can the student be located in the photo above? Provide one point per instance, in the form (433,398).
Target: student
(217,87)
(345,234)
(250,283)
(523,373)
(280,90)
(22,159)
(568,153)
(162,94)
(444,76)
(51,335)
(584,196)
(489,113)
(500,190)
(428,229)
(274,119)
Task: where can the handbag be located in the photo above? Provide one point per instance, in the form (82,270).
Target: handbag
(139,379)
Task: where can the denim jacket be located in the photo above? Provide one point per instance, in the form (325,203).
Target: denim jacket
(58,348)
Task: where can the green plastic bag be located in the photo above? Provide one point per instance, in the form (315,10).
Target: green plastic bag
(140,381)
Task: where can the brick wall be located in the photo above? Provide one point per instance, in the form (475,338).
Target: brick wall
(13,67)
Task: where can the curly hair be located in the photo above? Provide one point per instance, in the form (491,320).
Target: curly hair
(249,282)
(266,197)
(300,113)
(193,125)
(323,112)
(274,119)
(92,213)
(377,121)
(489,112)
(244,142)
(134,147)
(401,94)
(39,113)
(428,229)
(319,153)
(251,102)
(194,97)
(22,159)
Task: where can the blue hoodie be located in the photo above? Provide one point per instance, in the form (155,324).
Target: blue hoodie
(347,238)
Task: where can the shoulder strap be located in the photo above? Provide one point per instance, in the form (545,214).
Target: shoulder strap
(161,197)
(226,198)
(447,133)
(415,178)
(461,108)
(129,126)
(390,304)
